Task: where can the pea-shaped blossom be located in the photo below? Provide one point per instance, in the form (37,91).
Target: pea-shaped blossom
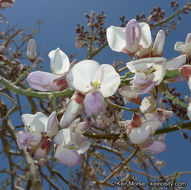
(130,38)
(184,47)
(39,132)
(149,72)
(39,129)
(44,81)
(95,81)
(70,143)
(139,132)
(150,111)
(136,38)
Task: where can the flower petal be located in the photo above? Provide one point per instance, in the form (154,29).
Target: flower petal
(37,122)
(109,80)
(116,38)
(72,110)
(133,35)
(176,63)
(179,46)
(83,147)
(42,81)
(154,146)
(52,125)
(63,137)
(25,139)
(142,65)
(59,61)
(82,75)
(93,103)
(189,111)
(68,157)
(146,38)
(139,135)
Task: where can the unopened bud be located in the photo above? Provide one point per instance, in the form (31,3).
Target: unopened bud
(31,50)
(159,43)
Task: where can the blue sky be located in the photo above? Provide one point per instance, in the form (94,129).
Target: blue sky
(60,18)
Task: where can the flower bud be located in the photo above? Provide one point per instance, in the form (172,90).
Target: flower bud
(159,43)
(31,50)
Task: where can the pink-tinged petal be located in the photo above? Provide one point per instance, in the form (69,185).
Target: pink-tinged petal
(116,38)
(133,35)
(139,81)
(137,119)
(188,38)
(93,103)
(185,72)
(59,61)
(53,125)
(109,80)
(6,3)
(68,157)
(148,104)
(139,135)
(83,147)
(142,65)
(37,122)
(63,137)
(189,111)
(31,50)
(159,42)
(25,139)
(176,63)
(59,83)
(78,139)
(43,149)
(82,127)
(179,46)
(188,99)
(148,87)
(153,125)
(73,109)
(146,38)
(82,75)
(129,95)
(42,81)
(154,146)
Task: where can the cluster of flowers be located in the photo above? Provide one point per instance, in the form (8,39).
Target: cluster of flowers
(94,82)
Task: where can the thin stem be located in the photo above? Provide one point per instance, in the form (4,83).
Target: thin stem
(169,18)
(120,107)
(97,51)
(22,75)
(121,166)
(11,109)
(32,93)
(175,100)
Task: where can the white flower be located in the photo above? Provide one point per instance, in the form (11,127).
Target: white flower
(184,47)
(134,37)
(94,80)
(149,72)
(44,81)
